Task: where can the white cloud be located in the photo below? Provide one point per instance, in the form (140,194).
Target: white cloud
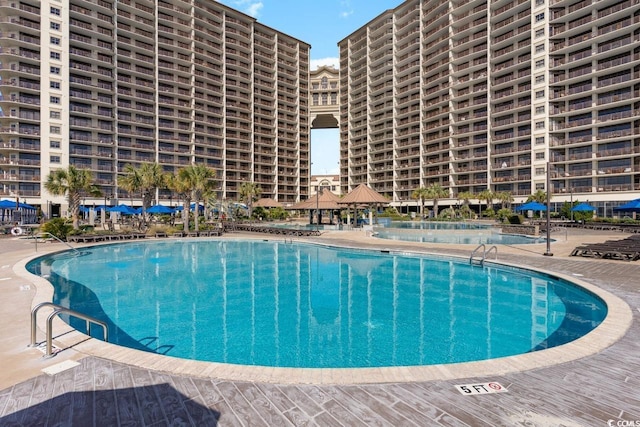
(347,10)
(250,7)
(254,9)
(332,62)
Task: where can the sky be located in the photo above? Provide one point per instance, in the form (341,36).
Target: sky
(322,24)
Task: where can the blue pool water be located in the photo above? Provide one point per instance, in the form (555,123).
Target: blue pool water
(451,232)
(297,305)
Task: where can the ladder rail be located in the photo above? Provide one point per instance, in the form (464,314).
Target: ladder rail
(480,246)
(485,252)
(56,238)
(58,309)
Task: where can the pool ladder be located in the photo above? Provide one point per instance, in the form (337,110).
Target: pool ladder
(480,260)
(58,309)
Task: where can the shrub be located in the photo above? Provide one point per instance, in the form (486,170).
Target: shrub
(59,227)
(516,219)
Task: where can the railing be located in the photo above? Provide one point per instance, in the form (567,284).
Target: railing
(54,237)
(485,252)
(57,309)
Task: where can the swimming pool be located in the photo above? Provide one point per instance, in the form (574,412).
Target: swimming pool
(451,232)
(296,305)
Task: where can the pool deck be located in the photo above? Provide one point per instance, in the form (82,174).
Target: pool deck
(585,383)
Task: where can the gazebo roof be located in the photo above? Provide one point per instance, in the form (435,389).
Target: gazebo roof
(363,195)
(327,200)
(267,203)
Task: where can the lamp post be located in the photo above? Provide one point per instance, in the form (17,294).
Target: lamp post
(571,195)
(548,252)
(318,208)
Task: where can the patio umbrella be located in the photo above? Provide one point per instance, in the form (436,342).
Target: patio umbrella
(25,206)
(633,206)
(159,209)
(583,207)
(123,209)
(7,204)
(531,206)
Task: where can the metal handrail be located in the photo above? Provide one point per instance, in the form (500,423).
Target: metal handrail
(56,238)
(485,252)
(493,248)
(57,309)
(480,246)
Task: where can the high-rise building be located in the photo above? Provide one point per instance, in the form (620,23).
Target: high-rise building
(475,95)
(102,84)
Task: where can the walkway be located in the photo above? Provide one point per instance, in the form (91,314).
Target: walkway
(584,392)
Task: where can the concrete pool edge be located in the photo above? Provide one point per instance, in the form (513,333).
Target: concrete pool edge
(615,325)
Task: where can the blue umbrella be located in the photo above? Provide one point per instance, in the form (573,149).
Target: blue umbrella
(159,209)
(26,206)
(7,204)
(583,207)
(633,206)
(123,209)
(531,206)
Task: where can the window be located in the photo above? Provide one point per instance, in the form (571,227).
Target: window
(540,78)
(54,26)
(55,11)
(540,17)
(540,156)
(539,171)
(540,186)
(55,40)
(54,55)
(54,159)
(539,2)
(54,85)
(540,48)
(540,33)
(54,70)
(54,99)
(540,109)
(54,114)
(539,125)
(54,130)
(539,140)
(54,144)
(540,63)
(540,94)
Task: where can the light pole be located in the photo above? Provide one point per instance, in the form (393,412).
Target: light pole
(548,252)
(318,208)
(571,194)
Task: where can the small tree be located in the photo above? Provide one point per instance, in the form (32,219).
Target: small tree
(249,193)
(73,183)
(436,192)
(420,194)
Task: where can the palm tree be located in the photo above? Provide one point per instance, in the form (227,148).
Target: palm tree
(505,199)
(539,196)
(465,197)
(436,192)
(486,195)
(180,184)
(147,178)
(200,181)
(73,183)
(420,194)
(249,193)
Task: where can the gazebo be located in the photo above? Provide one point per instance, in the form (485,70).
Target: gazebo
(363,195)
(325,200)
(267,203)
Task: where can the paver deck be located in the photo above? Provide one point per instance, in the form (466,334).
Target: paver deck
(99,391)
